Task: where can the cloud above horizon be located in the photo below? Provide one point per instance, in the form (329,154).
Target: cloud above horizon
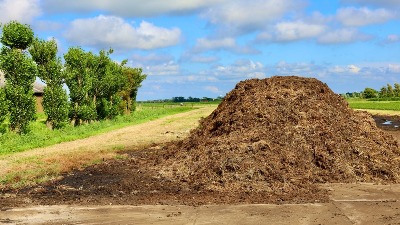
(111,31)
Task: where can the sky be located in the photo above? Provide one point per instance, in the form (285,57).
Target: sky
(202,48)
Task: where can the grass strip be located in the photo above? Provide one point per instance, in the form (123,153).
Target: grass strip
(41,136)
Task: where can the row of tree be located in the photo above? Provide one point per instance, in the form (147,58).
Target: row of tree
(99,88)
(191,99)
(387,91)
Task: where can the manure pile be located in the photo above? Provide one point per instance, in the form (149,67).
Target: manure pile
(279,137)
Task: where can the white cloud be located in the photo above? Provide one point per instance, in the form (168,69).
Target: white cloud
(240,69)
(169,68)
(379,3)
(197,58)
(227,44)
(392,38)
(351,16)
(353,69)
(110,31)
(204,44)
(393,68)
(297,30)
(344,35)
(301,68)
(213,89)
(136,8)
(240,16)
(24,11)
(150,59)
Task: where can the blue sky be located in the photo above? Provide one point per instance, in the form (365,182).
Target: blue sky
(202,48)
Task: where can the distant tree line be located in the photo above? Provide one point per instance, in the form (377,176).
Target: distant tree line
(191,99)
(99,88)
(386,92)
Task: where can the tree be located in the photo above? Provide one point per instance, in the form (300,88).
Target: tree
(383,93)
(55,100)
(370,93)
(396,90)
(78,77)
(3,105)
(108,80)
(390,92)
(20,73)
(134,79)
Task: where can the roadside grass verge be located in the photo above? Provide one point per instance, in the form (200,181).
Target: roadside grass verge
(40,165)
(41,136)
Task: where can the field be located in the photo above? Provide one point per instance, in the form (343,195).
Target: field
(102,169)
(374,105)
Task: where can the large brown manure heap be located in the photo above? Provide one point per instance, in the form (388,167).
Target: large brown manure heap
(278,137)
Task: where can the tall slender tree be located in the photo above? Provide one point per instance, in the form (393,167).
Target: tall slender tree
(20,73)
(134,78)
(79,79)
(55,100)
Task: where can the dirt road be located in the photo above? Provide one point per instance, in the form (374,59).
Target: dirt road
(350,204)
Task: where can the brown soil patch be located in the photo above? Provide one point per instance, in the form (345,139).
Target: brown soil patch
(269,141)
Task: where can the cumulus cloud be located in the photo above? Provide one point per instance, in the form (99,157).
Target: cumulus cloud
(169,68)
(393,68)
(227,44)
(297,30)
(240,68)
(379,3)
(212,89)
(301,68)
(392,38)
(241,16)
(23,11)
(198,58)
(344,35)
(352,16)
(353,69)
(115,32)
(137,8)
(150,59)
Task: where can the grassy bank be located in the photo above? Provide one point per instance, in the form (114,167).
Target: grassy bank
(41,136)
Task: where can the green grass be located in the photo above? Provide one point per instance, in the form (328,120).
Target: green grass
(375,105)
(41,136)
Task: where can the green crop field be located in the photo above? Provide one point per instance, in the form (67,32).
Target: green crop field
(375,105)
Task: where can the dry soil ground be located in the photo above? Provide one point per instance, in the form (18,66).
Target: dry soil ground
(349,203)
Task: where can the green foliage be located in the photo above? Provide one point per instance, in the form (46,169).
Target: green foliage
(108,80)
(55,100)
(16,35)
(79,79)
(22,108)
(370,93)
(20,73)
(55,104)
(133,80)
(3,105)
(18,68)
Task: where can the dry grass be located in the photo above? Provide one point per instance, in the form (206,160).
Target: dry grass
(42,164)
